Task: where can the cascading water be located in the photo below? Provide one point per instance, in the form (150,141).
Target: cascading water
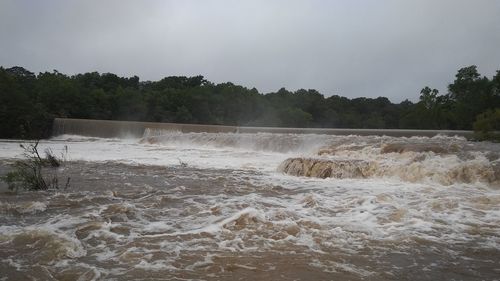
(121,129)
(184,203)
(243,141)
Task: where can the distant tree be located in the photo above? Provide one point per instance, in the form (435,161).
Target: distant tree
(465,78)
(428,97)
(471,95)
(29,102)
(129,105)
(183,115)
(487,125)
(20,72)
(294,117)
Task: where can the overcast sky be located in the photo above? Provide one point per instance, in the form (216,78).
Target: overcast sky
(351,48)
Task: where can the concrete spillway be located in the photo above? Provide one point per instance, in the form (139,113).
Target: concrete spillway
(119,129)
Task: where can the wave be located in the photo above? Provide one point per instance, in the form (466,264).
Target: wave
(443,160)
(40,245)
(445,171)
(440,159)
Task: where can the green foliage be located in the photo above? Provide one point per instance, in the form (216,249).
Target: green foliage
(294,117)
(29,102)
(471,95)
(487,125)
(35,172)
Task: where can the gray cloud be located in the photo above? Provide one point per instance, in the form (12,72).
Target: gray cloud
(353,48)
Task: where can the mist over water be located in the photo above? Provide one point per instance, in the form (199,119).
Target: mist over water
(266,206)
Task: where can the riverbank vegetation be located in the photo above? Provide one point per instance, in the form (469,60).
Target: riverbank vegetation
(29,102)
(34,171)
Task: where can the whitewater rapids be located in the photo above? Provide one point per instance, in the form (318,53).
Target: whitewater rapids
(232,206)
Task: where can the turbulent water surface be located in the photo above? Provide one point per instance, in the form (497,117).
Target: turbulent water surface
(227,206)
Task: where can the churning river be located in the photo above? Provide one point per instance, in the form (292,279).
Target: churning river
(265,206)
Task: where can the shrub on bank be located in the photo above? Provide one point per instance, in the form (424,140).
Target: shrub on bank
(35,172)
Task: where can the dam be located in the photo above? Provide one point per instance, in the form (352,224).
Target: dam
(117,129)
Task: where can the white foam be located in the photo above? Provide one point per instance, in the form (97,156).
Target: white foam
(271,209)
(31,207)
(155,265)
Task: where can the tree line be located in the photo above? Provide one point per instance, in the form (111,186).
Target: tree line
(29,102)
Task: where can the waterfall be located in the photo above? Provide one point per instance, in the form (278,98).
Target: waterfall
(127,129)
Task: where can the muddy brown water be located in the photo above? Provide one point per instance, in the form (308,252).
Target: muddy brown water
(144,222)
(175,205)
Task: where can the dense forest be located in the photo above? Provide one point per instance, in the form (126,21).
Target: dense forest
(29,102)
